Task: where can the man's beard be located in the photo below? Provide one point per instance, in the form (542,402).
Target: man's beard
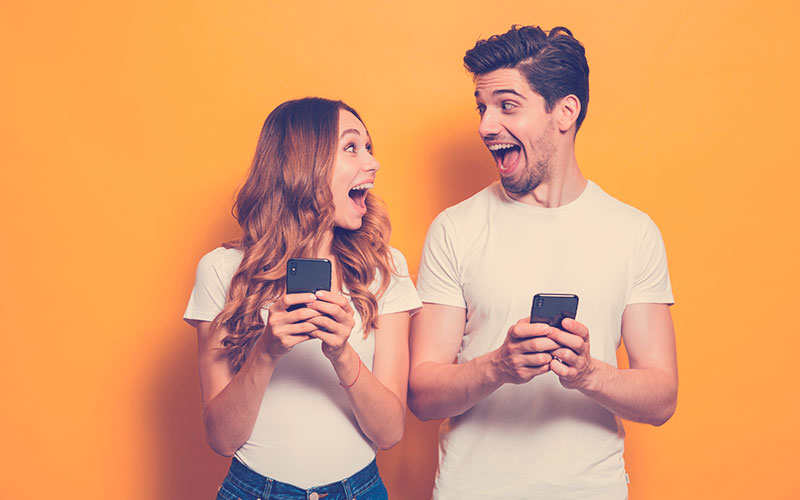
(528,179)
(533,175)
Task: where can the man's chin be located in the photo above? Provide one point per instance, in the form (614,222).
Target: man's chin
(519,186)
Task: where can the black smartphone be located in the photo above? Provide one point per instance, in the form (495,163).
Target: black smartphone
(307,275)
(552,308)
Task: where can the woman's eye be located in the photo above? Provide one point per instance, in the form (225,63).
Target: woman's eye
(350,148)
(369,148)
(481,108)
(508,105)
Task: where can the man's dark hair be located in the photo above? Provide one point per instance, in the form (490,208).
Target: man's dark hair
(554,64)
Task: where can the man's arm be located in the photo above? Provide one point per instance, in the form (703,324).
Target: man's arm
(440,388)
(647,392)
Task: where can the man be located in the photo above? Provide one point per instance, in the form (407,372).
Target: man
(533,411)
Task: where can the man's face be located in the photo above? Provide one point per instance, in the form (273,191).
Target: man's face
(516,129)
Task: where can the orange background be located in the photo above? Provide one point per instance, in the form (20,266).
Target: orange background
(125,129)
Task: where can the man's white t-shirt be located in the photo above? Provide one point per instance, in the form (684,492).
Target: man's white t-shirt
(490,255)
(305,433)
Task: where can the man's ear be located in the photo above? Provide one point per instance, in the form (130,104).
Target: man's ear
(568,109)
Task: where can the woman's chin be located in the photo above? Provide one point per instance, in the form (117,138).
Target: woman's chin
(351,223)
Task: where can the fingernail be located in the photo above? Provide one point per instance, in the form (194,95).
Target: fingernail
(320,293)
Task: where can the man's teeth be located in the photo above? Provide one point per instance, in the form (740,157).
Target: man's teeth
(366,185)
(495,147)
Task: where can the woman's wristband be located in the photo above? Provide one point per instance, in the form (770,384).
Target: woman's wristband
(358,374)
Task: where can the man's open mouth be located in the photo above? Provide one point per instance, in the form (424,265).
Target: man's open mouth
(506,155)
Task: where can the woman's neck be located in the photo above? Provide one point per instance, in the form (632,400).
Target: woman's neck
(324,251)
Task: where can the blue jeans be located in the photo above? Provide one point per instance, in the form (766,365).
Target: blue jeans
(242,483)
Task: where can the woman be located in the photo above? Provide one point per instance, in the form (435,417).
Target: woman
(303,398)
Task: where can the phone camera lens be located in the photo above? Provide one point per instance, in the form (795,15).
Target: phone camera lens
(539,304)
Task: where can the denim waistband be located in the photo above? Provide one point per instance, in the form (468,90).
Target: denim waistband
(266,487)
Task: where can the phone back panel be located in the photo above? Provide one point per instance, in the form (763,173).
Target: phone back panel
(308,275)
(552,308)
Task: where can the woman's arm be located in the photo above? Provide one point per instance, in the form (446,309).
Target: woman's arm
(231,401)
(378,398)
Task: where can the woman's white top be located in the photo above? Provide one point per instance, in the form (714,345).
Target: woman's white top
(305,433)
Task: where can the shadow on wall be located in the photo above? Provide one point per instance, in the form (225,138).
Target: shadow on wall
(460,165)
(188,468)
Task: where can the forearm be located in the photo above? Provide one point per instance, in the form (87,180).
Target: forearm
(442,390)
(379,412)
(230,416)
(646,395)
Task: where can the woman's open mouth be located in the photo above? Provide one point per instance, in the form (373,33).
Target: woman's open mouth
(359,195)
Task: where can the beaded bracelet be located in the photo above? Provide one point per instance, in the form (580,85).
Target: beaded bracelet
(358,373)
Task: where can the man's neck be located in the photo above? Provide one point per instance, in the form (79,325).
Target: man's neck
(565,185)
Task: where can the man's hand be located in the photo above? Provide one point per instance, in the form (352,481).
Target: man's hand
(525,352)
(571,360)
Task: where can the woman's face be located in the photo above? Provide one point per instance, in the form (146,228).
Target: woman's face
(353,173)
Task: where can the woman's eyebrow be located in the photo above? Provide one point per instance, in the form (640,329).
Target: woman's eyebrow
(349,131)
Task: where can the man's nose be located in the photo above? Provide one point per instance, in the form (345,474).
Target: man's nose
(490,125)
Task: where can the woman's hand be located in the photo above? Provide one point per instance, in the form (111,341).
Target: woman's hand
(334,323)
(285,329)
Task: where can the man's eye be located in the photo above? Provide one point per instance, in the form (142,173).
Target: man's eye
(481,108)
(508,105)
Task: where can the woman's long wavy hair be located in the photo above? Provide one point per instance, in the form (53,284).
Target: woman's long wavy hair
(285,209)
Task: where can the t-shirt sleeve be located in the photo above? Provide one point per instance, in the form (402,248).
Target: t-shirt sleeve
(651,281)
(438,280)
(400,295)
(209,293)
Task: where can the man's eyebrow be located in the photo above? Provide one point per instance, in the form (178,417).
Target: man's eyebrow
(350,131)
(504,91)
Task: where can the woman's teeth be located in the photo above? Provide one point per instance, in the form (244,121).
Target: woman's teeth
(366,185)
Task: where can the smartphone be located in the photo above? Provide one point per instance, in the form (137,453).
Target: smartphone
(552,308)
(307,275)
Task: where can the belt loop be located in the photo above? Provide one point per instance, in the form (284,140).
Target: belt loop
(348,493)
(267,488)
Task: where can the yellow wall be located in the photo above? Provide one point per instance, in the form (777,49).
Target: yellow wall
(126,127)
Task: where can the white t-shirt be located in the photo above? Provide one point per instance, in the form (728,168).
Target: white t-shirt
(305,433)
(490,254)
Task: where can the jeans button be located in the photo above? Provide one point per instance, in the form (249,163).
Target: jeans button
(313,496)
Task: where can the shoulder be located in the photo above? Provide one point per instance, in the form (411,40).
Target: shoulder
(400,294)
(466,213)
(221,262)
(399,261)
(620,213)
(479,202)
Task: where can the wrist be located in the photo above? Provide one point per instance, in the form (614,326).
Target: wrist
(492,368)
(346,364)
(262,350)
(593,382)
(355,379)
